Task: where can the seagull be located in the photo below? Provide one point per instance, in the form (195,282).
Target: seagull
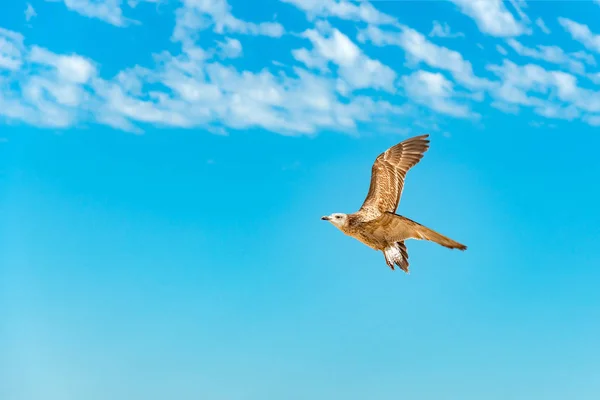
(376,224)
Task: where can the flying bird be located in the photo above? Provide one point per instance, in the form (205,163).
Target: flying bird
(376,224)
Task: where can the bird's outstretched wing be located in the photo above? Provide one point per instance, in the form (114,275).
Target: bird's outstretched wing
(388,173)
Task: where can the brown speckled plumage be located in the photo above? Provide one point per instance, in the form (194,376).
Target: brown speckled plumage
(375,223)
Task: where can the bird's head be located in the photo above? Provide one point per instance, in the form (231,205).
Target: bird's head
(337,219)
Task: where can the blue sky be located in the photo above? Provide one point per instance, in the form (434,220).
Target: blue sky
(164,165)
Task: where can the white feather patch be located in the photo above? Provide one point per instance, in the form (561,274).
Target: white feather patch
(393,253)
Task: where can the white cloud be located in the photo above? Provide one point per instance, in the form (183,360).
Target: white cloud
(552,54)
(492,17)
(190,89)
(443,31)
(354,67)
(569,112)
(110,11)
(595,77)
(11,50)
(433,90)
(518,5)
(72,68)
(29,12)
(593,120)
(542,124)
(540,23)
(134,3)
(193,86)
(420,50)
(585,57)
(54,93)
(280,103)
(517,81)
(581,33)
(505,107)
(343,9)
(230,48)
(552,94)
(105,10)
(198,15)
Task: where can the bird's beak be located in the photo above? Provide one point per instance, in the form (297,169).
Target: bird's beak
(325,218)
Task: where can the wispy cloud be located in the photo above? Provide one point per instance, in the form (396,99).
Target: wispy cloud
(443,31)
(492,17)
(552,94)
(230,48)
(420,50)
(52,96)
(11,50)
(581,33)
(595,77)
(436,92)
(540,23)
(518,6)
(29,12)
(108,10)
(198,15)
(552,54)
(323,77)
(190,89)
(354,67)
(344,9)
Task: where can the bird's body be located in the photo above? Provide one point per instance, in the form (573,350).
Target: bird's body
(376,223)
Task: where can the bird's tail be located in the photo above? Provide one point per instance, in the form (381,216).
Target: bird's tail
(429,234)
(397,254)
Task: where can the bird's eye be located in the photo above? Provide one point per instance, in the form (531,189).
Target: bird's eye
(338,216)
